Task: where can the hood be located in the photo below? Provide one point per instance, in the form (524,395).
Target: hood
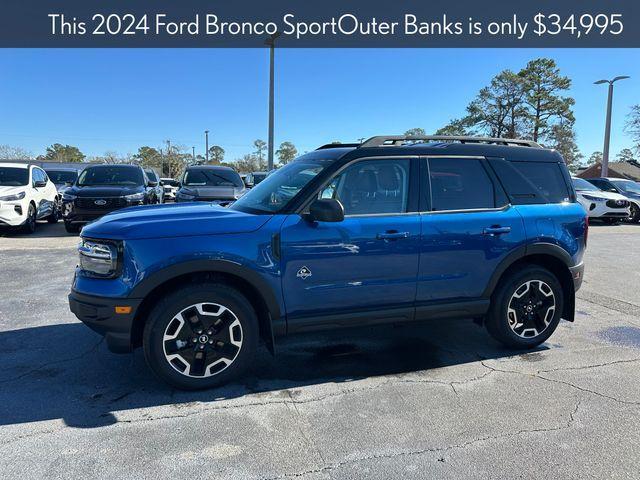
(104,191)
(172,220)
(8,190)
(222,193)
(602,194)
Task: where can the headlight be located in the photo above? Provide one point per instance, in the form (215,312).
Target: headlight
(593,199)
(97,258)
(11,198)
(135,197)
(68,197)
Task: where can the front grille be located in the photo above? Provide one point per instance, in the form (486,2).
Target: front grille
(617,203)
(109,203)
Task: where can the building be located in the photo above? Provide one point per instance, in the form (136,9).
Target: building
(629,170)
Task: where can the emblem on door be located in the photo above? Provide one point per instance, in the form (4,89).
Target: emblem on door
(303,273)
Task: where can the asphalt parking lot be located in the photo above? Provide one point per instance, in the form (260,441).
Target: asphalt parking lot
(434,401)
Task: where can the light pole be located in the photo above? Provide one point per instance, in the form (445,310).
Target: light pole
(607,127)
(271,42)
(206,142)
(193,154)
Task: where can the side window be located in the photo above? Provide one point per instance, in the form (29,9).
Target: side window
(460,184)
(371,187)
(38,176)
(547,178)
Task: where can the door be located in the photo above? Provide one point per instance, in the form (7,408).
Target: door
(468,228)
(43,205)
(360,270)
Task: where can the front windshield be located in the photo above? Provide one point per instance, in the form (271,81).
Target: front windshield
(212,178)
(111,176)
(628,187)
(278,188)
(13,177)
(62,176)
(581,184)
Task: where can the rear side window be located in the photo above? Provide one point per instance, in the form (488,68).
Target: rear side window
(532,182)
(460,184)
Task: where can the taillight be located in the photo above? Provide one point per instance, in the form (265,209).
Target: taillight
(586,230)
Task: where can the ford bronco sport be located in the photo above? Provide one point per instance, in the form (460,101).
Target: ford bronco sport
(396,229)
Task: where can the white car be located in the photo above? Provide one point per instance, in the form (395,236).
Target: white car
(607,206)
(170,187)
(26,195)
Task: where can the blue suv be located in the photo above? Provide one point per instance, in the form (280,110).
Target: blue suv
(396,229)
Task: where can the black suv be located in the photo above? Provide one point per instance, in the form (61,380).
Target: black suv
(101,189)
(210,183)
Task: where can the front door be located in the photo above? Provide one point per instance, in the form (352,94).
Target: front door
(360,270)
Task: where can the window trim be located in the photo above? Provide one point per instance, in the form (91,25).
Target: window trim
(426,203)
(412,195)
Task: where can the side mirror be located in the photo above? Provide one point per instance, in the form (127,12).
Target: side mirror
(40,184)
(326,210)
(152,184)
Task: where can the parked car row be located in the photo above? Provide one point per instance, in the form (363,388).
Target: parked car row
(609,199)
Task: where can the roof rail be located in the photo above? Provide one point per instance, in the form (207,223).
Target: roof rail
(337,145)
(397,140)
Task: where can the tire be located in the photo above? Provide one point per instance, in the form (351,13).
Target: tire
(634,215)
(30,223)
(182,327)
(71,227)
(519,320)
(55,214)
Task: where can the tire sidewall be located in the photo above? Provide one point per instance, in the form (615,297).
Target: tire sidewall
(30,224)
(499,324)
(164,312)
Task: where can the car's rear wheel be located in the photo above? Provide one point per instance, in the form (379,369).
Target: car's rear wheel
(200,336)
(525,308)
(634,213)
(30,223)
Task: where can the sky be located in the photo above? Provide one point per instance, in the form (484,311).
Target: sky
(120,99)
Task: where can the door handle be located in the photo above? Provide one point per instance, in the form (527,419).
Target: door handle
(495,230)
(392,235)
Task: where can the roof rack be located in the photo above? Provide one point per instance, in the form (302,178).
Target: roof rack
(397,140)
(338,145)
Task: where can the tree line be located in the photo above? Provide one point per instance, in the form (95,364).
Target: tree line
(532,103)
(170,161)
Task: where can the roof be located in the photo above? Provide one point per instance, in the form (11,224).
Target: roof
(210,167)
(513,153)
(629,170)
(14,165)
(61,169)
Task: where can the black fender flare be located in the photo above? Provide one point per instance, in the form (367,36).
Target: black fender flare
(247,274)
(538,248)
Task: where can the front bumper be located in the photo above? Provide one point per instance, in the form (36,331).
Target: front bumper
(14,213)
(73,214)
(99,314)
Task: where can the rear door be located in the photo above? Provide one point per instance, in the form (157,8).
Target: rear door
(363,269)
(468,228)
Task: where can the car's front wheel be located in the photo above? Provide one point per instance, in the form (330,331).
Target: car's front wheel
(71,227)
(200,336)
(31,221)
(55,213)
(634,213)
(525,308)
